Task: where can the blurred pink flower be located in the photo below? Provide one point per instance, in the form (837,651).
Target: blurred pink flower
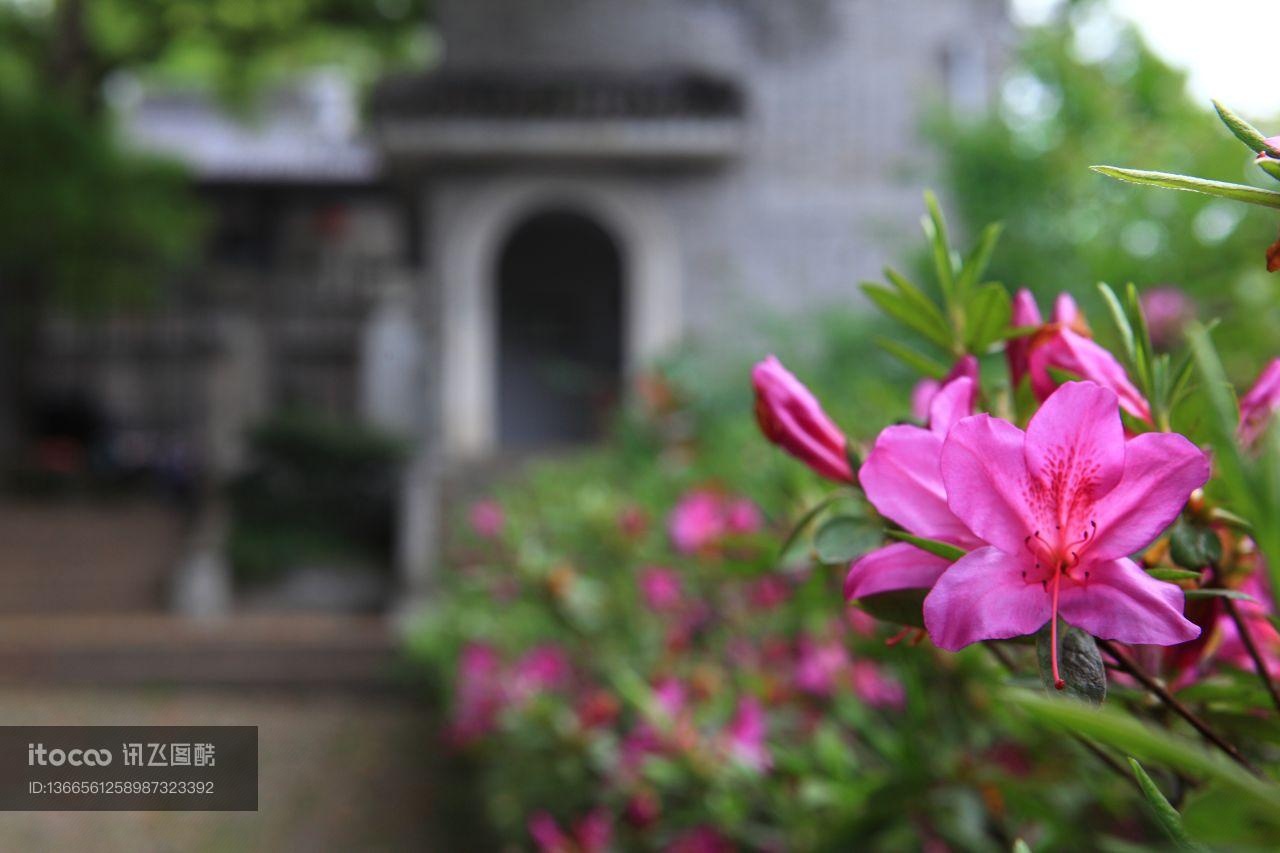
(542,668)
(1065,344)
(700,839)
(487,519)
(903,481)
(632,521)
(479,695)
(661,588)
(696,521)
(875,688)
(643,809)
(1062,505)
(593,833)
(1168,309)
(926,389)
(769,592)
(745,736)
(1259,405)
(819,666)
(791,417)
(743,516)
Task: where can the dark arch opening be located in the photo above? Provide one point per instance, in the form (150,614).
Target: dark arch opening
(560,321)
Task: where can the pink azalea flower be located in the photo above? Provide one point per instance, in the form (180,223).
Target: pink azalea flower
(1061,507)
(696,522)
(745,735)
(1065,344)
(661,588)
(742,516)
(700,839)
(791,417)
(1259,405)
(819,665)
(875,688)
(487,519)
(479,695)
(926,389)
(1018,350)
(541,669)
(1168,309)
(593,833)
(903,481)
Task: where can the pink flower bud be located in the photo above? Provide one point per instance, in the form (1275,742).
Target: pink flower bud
(790,417)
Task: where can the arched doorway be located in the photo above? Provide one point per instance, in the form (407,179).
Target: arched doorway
(560,320)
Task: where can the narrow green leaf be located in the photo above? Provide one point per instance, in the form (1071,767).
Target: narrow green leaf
(908,314)
(1245,132)
(1219,189)
(1120,730)
(975,265)
(1168,817)
(918,298)
(1018,332)
(942,549)
(1235,594)
(1162,573)
(987,316)
(917,360)
(1120,321)
(845,538)
(935,228)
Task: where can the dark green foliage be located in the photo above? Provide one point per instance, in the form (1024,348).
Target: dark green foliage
(317,489)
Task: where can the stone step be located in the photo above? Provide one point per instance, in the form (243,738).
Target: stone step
(244,650)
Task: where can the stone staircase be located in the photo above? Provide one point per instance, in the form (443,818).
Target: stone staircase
(83,600)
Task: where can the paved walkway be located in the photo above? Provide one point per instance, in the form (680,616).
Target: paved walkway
(338,771)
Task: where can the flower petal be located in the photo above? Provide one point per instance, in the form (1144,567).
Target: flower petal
(1072,352)
(1122,602)
(893,567)
(1075,452)
(983,597)
(903,481)
(1160,471)
(954,402)
(985,473)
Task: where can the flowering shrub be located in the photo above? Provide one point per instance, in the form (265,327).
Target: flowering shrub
(1040,613)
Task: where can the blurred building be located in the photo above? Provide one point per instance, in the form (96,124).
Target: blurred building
(575,187)
(600,177)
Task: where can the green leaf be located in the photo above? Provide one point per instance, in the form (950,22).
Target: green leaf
(917,360)
(935,228)
(901,607)
(1120,730)
(1194,547)
(1270,165)
(1168,817)
(1079,663)
(1018,332)
(942,549)
(1245,132)
(1120,320)
(987,316)
(805,520)
(910,314)
(1219,189)
(979,257)
(1234,594)
(917,298)
(845,538)
(1166,574)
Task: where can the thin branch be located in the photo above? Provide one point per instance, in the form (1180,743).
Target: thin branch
(1129,666)
(1259,665)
